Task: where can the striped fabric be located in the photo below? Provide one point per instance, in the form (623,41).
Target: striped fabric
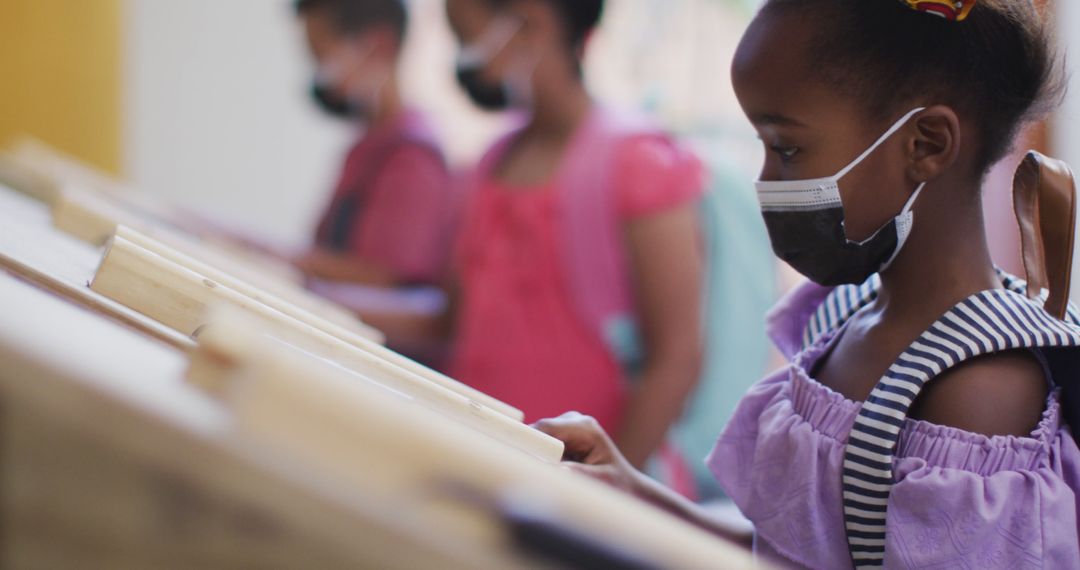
(846,300)
(838,307)
(988,322)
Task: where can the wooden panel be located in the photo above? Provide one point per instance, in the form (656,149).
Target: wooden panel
(31,250)
(90,205)
(226,343)
(114,462)
(109,459)
(94,218)
(306,408)
(25,180)
(294,307)
(181,298)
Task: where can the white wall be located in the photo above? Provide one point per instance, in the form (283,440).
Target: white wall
(218,117)
(1066,130)
(1066,126)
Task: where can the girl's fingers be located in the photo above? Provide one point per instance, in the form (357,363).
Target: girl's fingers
(585,440)
(572,428)
(599,472)
(609,474)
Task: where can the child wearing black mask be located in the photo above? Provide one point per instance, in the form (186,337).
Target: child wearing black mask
(386,224)
(923,421)
(579,266)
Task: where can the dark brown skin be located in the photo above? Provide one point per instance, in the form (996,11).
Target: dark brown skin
(667,286)
(946,258)
(810,131)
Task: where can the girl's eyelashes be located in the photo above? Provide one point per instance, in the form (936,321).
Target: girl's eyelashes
(774,144)
(786,153)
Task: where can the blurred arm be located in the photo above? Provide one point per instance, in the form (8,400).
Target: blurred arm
(667,268)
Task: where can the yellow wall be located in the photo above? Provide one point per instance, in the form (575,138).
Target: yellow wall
(60,75)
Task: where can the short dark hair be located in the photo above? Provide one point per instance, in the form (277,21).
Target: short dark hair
(351,16)
(997,68)
(579,17)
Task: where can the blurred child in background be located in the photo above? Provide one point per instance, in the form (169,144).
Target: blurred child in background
(923,420)
(580,266)
(387,221)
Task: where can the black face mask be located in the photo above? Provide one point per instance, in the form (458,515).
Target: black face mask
(334,106)
(805,219)
(485,94)
(813,243)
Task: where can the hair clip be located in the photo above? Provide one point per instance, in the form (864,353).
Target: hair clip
(955,10)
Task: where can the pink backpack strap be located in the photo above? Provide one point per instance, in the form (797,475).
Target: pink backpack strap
(595,256)
(337,226)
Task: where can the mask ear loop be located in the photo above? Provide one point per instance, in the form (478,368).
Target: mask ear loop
(519,83)
(904,219)
(332,72)
(881,140)
(904,223)
(490,43)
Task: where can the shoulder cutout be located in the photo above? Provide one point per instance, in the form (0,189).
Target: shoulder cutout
(997,394)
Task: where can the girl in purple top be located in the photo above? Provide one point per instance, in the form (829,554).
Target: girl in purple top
(921,421)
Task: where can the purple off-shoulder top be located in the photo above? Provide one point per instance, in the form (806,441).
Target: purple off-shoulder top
(960,500)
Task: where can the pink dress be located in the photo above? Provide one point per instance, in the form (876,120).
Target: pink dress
(393,204)
(519,337)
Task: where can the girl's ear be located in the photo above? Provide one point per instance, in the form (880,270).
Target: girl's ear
(935,143)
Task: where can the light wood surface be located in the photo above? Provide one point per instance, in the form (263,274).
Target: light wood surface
(60,167)
(32,250)
(230,341)
(294,307)
(25,180)
(312,411)
(117,463)
(89,216)
(94,219)
(181,298)
(291,447)
(90,205)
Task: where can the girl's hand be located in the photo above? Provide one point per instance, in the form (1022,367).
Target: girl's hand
(590,451)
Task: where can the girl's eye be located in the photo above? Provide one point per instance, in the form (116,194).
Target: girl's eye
(786,153)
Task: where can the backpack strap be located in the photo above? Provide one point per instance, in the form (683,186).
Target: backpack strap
(839,306)
(1044,196)
(593,248)
(989,322)
(339,223)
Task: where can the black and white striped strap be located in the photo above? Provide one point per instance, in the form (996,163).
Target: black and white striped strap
(846,300)
(839,306)
(988,322)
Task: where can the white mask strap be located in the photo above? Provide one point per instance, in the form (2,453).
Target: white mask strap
(491,42)
(904,222)
(892,130)
(331,71)
(911,201)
